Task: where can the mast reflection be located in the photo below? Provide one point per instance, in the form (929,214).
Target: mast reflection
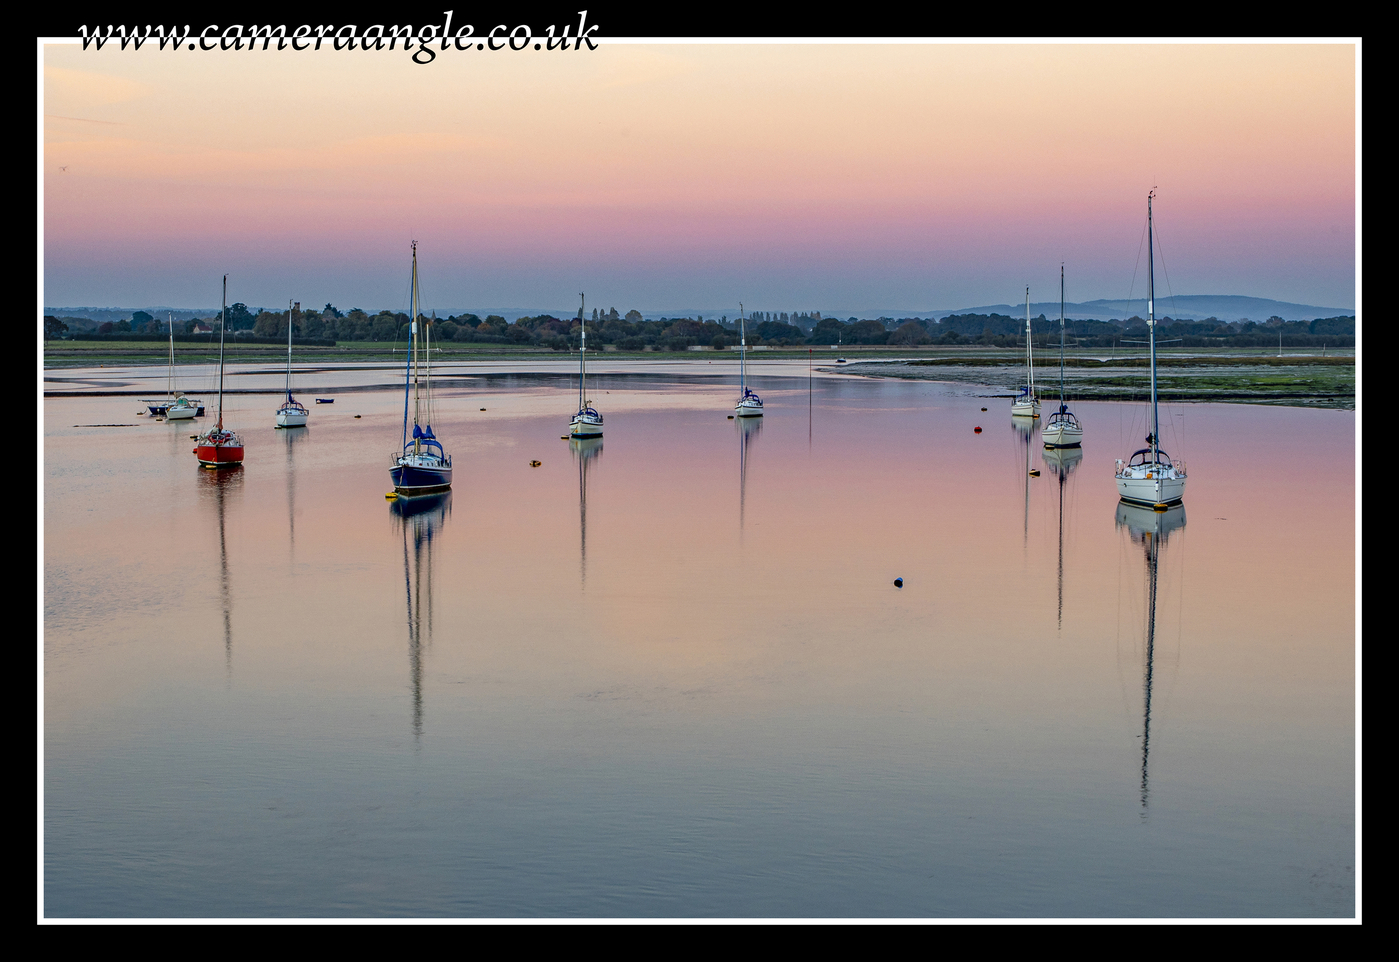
(218,488)
(584,451)
(290,439)
(420,519)
(748,429)
(1062,462)
(1151,529)
(1025,434)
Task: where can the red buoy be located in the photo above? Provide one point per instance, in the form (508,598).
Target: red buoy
(977,430)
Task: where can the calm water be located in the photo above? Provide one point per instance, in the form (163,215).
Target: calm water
(669,674)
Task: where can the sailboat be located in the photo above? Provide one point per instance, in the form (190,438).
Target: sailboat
(1150,476)
(1027,405)
(218,447)
(1063,429)
(422,466)
(749,404)
(292,413)
(587,423)
(175,407)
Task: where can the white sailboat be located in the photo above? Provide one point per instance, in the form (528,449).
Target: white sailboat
(1150,476)
(749,404)
(1063,429)
(177,406)
(587,423)
(173,407)
(292,413)
(1026,405)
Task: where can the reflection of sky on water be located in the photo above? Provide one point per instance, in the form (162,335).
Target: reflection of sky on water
(723,719)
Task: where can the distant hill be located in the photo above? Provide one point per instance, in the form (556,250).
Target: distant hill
(1194,307)
(1188,307)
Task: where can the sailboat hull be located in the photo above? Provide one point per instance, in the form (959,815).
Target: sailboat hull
(292,417)
(215,455)
(410,478)
(176,412)
(1153,489)
(585,426)
(1025,409)
(1058,434)
(749,408)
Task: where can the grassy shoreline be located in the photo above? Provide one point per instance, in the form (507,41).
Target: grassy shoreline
(1298,380)
(1253,377)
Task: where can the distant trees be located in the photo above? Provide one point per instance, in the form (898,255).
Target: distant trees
(633,332)
(910,332)
(239,318)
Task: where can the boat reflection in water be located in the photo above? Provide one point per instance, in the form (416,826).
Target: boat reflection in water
(584,451)
(1061,463)
(1151,529)
(748,429)
(221,488)
(1025,436)
(290,439)
(421,519)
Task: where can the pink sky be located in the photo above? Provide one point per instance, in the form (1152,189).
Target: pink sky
(833,177)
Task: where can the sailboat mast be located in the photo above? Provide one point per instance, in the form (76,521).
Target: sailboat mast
(1029,348)
(413,345)
(1151,324)
(742,353)
(289,317)
(170,381)
(582,353)
(223,324)
(1061,336)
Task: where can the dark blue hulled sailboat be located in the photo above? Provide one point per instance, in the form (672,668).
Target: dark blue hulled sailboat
(423,467)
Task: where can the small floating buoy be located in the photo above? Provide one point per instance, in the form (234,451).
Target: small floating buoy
(983,409)
(977,429)
(1034,472)
(483,409)
(356,415)
(563,437)
(898,582)
(535,464)
(731,417)
(391,496)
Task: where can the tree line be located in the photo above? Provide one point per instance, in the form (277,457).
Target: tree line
(633,332)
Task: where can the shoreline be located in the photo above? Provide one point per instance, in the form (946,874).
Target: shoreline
(1297,381)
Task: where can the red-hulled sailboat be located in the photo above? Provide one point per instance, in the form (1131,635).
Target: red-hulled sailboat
(219,447)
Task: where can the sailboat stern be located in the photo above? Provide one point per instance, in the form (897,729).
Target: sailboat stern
(1158,483)
(587,423)
(219,449)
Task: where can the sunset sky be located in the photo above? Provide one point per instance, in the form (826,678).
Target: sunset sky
(845,178)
